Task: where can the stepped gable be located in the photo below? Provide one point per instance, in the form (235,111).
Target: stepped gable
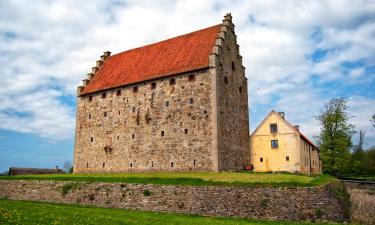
(176,55)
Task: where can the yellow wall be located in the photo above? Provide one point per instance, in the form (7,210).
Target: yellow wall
(290,144)
(275,159)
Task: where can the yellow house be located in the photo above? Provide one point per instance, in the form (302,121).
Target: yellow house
(276,145)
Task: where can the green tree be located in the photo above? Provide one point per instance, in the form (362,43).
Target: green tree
(369,161)
(357,162)
(335,135)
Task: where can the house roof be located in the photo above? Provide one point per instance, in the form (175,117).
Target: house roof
(289,124)
(176,55)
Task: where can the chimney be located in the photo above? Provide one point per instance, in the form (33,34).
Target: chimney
(296,127)
(282,114)
(107,54)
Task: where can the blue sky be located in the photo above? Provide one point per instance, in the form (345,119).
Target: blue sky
(297,54)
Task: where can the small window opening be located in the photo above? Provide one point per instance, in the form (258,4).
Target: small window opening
(261,159)
(233,66)
(103,165)
(186,131)
(119,112)
(152,163)
(131,164)
(191,77)
(89,116)
(133,109)
(287,158)
(132,136)
(240,89)
(273,128)
(104,95)
(226,80)
(194,162)
(105,114)
(153,85)
(118,137)
(135,89)
(274,144)
(191,100)
(167,103)
(90,98)
(87,165)
(162,133)
(172,81)
(172,164)
(91,139)
(118,93)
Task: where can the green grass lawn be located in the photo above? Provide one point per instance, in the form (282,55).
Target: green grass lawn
(195,179)
(22,212)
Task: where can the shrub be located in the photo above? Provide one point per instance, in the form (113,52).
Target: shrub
(146,192)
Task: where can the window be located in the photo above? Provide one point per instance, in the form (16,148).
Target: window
(240,89)
(273,128)
(118,137)
(131,164)
(135,89)
(172,164)
(226,80)
(191,77)
(261,159)
(172,81)
(118,92)
(90,98)
(89,116)
(274,144)
(91,139)
(194,162)
(105,114)
(233,66)
(152,163)
(119,112)
(87,165)
(162,133)
(167,103)
(104,95)
(103,165)
(191,100)
(186,131)
(153,85)
(132,136)
(287,158)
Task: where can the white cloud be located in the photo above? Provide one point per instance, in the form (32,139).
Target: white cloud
(49,46)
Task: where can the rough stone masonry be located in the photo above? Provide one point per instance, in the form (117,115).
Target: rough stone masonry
(176,105)
(283,203)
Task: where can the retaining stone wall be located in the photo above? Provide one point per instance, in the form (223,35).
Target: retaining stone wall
(296,203)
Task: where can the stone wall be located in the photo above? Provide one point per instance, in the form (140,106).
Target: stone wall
(232,101)
(154,125)
(297,203)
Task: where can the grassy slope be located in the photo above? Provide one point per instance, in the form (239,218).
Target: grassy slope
(203,178)
(21,212)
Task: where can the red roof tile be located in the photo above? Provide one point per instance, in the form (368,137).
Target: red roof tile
(176,55)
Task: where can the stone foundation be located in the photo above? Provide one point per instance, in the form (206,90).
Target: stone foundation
(296,203)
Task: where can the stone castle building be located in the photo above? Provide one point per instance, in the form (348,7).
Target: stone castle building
(176,105)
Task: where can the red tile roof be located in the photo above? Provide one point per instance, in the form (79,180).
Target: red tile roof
(176,55)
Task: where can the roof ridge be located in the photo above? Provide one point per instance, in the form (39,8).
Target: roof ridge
(166,40)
